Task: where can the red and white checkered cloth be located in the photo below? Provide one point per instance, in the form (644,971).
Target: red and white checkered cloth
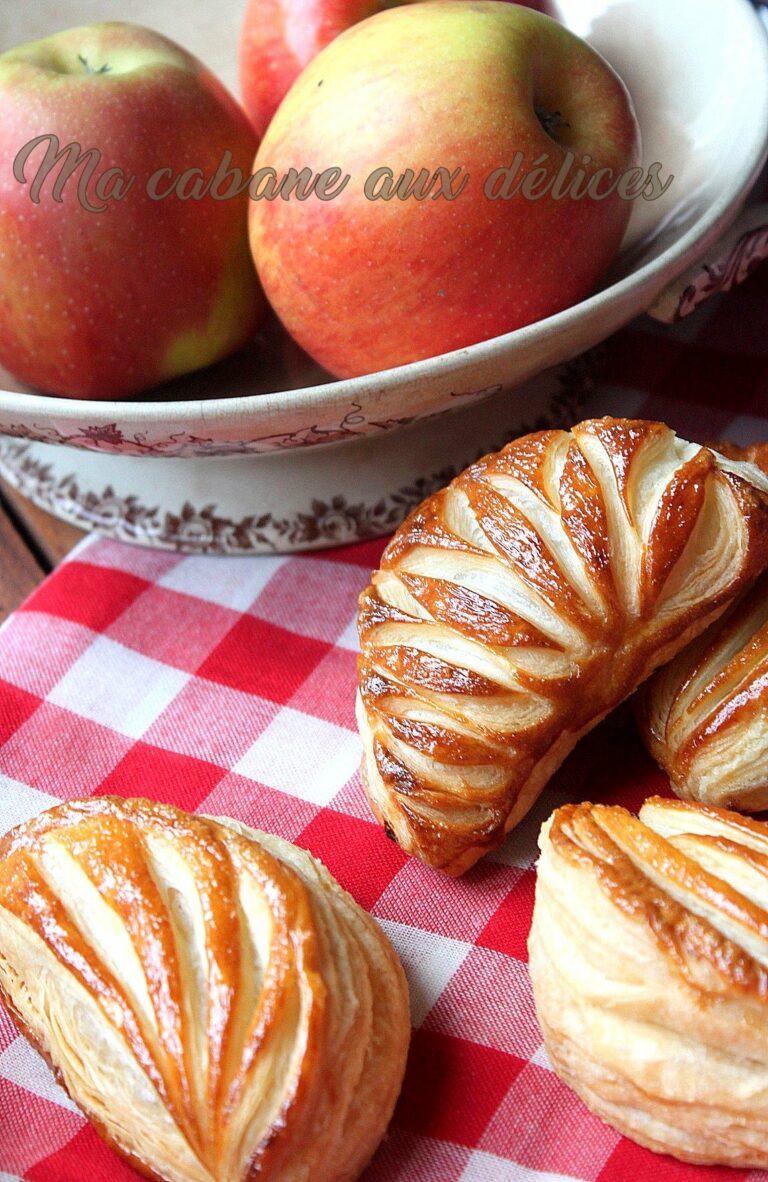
(226,685)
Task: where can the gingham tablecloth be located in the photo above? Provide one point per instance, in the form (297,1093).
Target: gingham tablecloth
(226,685)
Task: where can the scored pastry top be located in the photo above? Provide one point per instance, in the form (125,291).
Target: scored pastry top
(649,964)
(704,716)
(696,875)
(746,453)
(514,608)
(208,995)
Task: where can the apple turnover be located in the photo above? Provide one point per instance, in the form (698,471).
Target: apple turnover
(209,996)
(704,716)
(519,605)
(649,963)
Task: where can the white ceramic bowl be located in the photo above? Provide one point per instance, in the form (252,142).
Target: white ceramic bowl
(264,452)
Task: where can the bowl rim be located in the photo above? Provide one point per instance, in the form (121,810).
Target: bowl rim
(337,393)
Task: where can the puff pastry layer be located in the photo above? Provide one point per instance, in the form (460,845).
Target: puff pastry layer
(208,995)
(518,606)
(649,962)
(704,716)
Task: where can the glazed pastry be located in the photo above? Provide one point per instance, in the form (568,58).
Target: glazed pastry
(517,607)
(750,453)
(212,999)
(649,963)
(704,717)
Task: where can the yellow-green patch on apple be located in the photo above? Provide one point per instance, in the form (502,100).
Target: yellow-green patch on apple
(364,285)
(107,304)
(280,37)
(194,346)
(98,50)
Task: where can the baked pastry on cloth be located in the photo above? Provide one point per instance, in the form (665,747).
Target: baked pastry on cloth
(208,995)
(649,963)
(514,609)
(704,717)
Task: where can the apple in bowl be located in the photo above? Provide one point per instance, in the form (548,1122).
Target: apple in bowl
(117,271)
(466,136)
(280,37)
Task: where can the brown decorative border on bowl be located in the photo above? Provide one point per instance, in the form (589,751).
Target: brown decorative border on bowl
(113,438)
(202,529)
(746,255)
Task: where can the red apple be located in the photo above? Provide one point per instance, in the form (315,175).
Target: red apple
(280,37)
(365,284)
(105,304)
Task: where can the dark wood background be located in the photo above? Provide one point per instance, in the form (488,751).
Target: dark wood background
(32,542)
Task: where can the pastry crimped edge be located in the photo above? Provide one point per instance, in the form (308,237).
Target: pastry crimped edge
(650,973)
(345,936)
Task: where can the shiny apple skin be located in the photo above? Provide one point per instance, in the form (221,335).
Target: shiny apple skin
(368,285)
(280,37)
(105,305)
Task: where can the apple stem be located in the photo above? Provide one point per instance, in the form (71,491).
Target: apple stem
(551,121)
(89,68)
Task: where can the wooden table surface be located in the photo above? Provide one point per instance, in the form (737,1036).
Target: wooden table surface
(32,542)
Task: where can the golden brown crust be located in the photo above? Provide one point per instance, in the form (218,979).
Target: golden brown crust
(750,453)
(704,717)
(209,996)
(515,608)
(648,954)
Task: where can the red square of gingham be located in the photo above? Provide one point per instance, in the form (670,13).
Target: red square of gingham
(226,686)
